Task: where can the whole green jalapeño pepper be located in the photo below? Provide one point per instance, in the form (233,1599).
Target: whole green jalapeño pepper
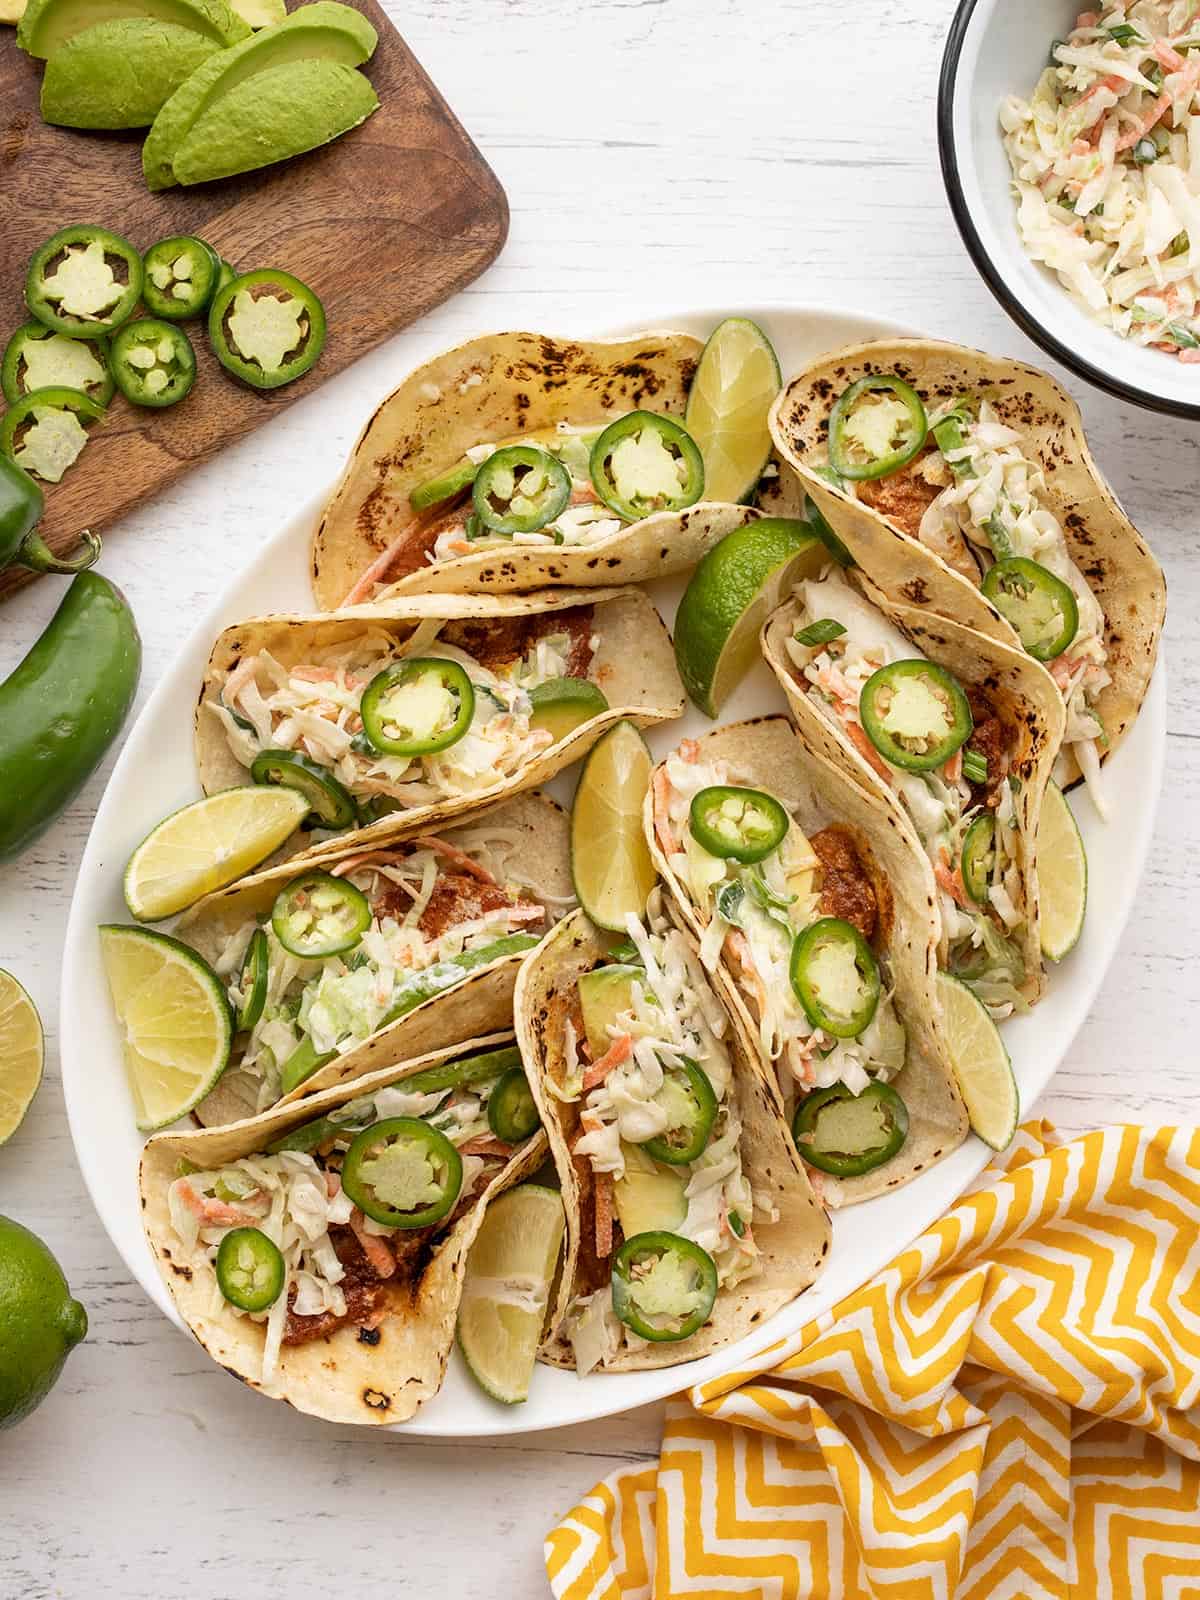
(640,1294)
(520,489)
(62,707)
(644,463)
(403,1172)
(835,977)
(905,437)
(846,1134)
(84,282)
(737,824)
(330,804)
(318,915)
(250,1270)
(417,706)
(1039,605)
(915,714)
(689,1100)
(266,328)
(21,507)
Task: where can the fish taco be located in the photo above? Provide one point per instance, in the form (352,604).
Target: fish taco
(815,916)
(956,735)
(689,1215)
(983,462)
(486,472)
(381,952)
(392,719)
(317,1252)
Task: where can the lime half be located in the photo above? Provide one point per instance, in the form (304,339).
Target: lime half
(980,1062)
(610,859)
(22,1052)
(506,1288)
(207,845)
(174,1018)
(1062,876)
(732,592)
(730,399)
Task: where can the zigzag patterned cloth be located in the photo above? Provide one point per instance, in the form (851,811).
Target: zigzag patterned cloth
(1011,1408)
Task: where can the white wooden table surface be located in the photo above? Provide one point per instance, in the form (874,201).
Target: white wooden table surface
(656,152)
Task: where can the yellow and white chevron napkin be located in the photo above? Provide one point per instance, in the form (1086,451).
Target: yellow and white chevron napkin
(1011,1408)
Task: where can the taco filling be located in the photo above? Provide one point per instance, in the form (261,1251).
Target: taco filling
(332,1224)
(972,494)
(342,953)
(796,920)
(385,728)
(667,1210)
(945,751)
(563,486)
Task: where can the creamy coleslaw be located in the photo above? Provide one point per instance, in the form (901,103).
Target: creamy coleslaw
(1105,157)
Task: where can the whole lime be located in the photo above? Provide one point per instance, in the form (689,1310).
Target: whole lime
(40,1324)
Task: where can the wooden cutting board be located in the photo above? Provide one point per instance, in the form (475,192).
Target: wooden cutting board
(383,224)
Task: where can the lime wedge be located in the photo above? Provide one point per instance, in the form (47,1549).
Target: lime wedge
(22,1053)
(731,396)
(175,1019)
(610,859)
(1062,876)
(560,705)
(506,1287)
(207,845)
(980,1062)
(731,593)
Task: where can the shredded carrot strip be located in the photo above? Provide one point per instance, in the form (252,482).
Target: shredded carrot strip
(620,1050)
(860,739)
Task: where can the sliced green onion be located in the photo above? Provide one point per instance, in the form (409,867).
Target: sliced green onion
(975,767)
(820,632)
(1144,152)
(736,1225)
(1179,245)
(1125,33)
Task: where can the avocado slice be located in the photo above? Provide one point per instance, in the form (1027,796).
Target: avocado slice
(48,24)
(260,13)
(119,73)
(276,115)
(604,993)
(650,1196)
(323,31)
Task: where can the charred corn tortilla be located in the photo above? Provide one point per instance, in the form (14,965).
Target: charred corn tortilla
(538,861)
(1105,546)
(766,754)
(339,1377)
(1023,693)
(501,389)
(792,1248)
(632,663)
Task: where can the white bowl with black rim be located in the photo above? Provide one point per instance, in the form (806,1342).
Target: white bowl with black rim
(996,48)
